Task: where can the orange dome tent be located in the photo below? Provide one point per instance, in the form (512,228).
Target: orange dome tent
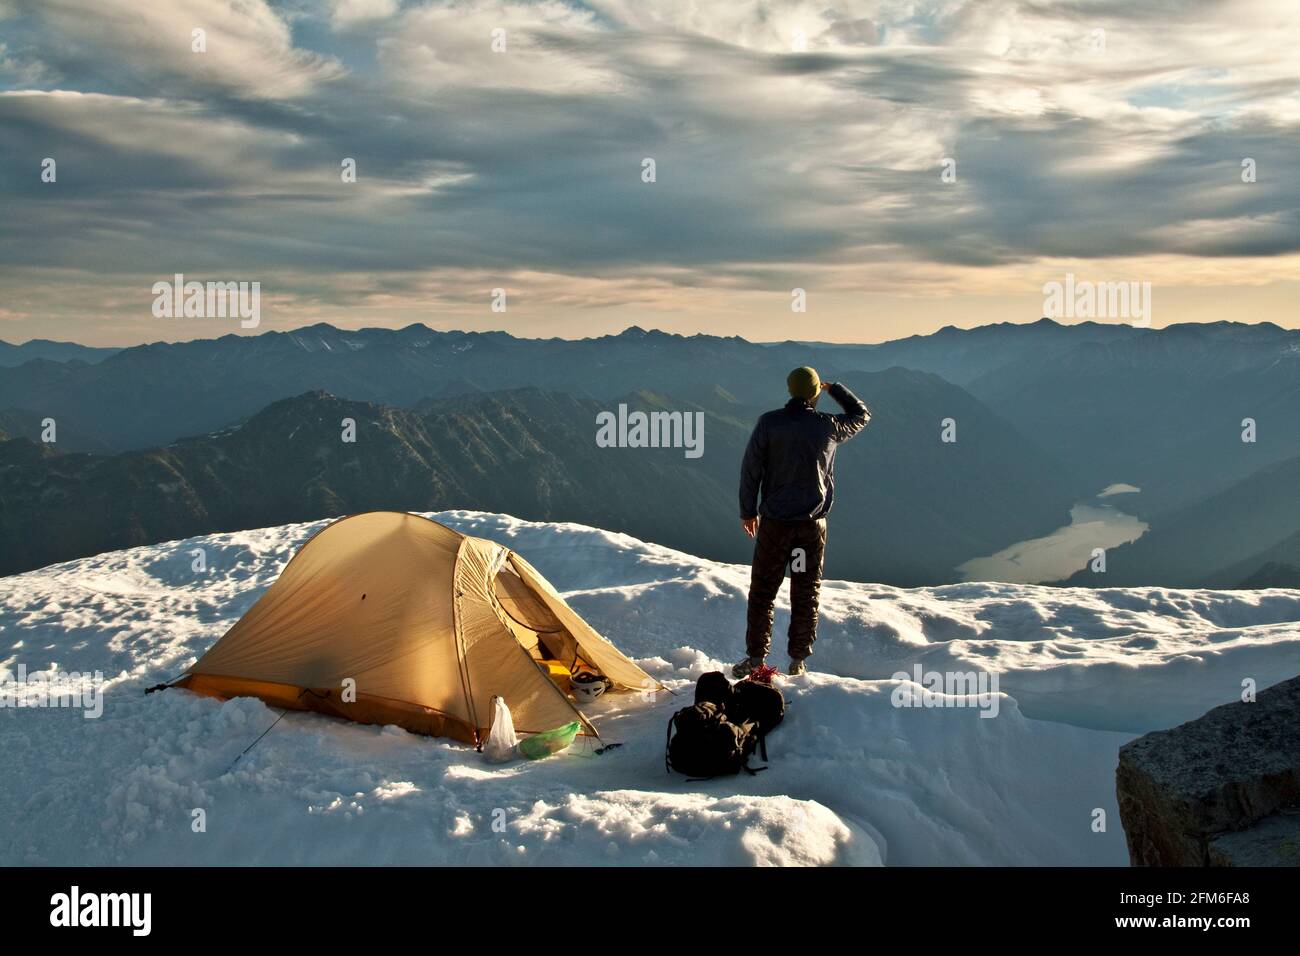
(392,618)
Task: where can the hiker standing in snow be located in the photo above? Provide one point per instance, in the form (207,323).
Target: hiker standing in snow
(791,460)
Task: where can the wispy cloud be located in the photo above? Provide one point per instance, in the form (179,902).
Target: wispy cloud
(794,143)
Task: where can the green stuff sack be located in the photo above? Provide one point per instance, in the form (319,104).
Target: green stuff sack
(549,742)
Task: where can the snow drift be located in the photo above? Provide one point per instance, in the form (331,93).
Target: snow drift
(854,779)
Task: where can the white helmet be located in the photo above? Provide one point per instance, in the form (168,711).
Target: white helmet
(587,686)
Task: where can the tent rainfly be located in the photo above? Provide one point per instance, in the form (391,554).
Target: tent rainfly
(388,617)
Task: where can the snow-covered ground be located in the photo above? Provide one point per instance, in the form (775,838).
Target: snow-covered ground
(853,778)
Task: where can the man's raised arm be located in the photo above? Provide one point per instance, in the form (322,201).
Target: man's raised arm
(855,416)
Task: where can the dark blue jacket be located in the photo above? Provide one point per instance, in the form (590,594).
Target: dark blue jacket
(791,458)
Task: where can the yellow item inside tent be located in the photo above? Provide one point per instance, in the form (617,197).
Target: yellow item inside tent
(388,617)
(558,673)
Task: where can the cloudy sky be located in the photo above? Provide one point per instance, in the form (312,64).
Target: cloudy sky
(796,144)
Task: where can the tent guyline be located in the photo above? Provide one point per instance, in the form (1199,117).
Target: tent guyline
(257,741)
(425,625)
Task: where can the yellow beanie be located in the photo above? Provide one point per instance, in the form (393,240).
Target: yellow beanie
(804,383)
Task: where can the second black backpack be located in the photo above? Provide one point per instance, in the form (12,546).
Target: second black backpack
(760,703)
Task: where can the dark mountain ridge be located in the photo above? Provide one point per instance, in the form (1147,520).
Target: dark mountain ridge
(1217,542)
(905,511)
(14,355)
(1076,408)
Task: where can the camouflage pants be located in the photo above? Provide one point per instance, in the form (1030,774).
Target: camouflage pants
(802,545)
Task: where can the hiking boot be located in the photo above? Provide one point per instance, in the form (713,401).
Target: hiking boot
(797,667)
(746,667)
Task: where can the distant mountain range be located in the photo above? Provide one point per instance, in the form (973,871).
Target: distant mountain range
(12,356)
(906,511)
(1160,409)
(516,452)
(966,356)
(156,393)
(1046,415)
(1164,410)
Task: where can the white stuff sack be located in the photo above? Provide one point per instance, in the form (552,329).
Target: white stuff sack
(501,741)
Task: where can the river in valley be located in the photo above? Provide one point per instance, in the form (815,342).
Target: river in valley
(1096,523)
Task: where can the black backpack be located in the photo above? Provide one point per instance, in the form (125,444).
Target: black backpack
(707,744)
(760,703)
(714,688)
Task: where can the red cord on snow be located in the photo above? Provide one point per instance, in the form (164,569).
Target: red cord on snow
(763,674)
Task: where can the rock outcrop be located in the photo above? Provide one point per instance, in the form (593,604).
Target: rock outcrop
(1273,841)
(1221,790)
